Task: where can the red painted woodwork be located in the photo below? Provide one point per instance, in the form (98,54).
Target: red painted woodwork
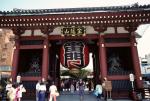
(136,63)
(31,46)
(115,19)
(45,60)
(15,60)
(87,36)
(102,58)
(130,19)
(32,38)
(122,35)
(117,44)
(30,78)
(118,77)
(59,37)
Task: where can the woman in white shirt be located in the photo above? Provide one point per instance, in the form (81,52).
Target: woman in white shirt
(42,91)
(98,91)
(53,92)
(37,89)
(12,93)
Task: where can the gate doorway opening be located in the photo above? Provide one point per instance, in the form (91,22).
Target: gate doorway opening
(64,77)
(69,79)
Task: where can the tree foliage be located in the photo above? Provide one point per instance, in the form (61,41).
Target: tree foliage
(76,73)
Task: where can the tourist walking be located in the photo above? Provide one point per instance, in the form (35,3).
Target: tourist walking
(37,89)
(42,90)
(11,94)
(19,90)
(81,89)
(53,92)
(98,91)
(90,85)
(72,88)
(8,85)
(62,85)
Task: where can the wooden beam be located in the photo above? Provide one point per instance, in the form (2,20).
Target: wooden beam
(118,77)
(117,44)
(30,78)
(31,47)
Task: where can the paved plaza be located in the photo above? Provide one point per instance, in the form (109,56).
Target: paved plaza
(75,97)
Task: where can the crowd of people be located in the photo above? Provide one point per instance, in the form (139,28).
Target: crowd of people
(65,85)
(16,89)
(41,91)
(73,85)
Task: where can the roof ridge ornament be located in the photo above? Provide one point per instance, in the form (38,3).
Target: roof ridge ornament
(135,4)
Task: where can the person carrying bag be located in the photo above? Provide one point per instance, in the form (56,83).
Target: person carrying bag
(53,92)
(12,93)
(98,91)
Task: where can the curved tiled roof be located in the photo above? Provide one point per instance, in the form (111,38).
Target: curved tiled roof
(134,7)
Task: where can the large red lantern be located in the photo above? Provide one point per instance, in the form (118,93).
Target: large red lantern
(74,55)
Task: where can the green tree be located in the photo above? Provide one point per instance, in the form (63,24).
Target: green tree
(76,73)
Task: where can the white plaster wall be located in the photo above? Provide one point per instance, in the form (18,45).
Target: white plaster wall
(110,30)
(27,33)
(90,30)
(56,31)
(38,32)
(121,30)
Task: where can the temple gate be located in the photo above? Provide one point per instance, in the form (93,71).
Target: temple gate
(108,33)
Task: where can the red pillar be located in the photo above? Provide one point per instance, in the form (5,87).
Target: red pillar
(136,63)
(45,62)
(102,58)
(15,60)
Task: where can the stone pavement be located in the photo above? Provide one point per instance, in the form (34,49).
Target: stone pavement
(75,97)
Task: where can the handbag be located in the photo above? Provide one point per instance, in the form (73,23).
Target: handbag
(23,90)
(8,94)
(95,92)
(57,93)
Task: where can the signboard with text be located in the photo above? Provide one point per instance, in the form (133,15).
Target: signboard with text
(73,31)
(131,76)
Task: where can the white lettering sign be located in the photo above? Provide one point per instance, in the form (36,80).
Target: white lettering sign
(131,76)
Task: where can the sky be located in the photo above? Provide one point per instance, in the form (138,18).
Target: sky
(144,30)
